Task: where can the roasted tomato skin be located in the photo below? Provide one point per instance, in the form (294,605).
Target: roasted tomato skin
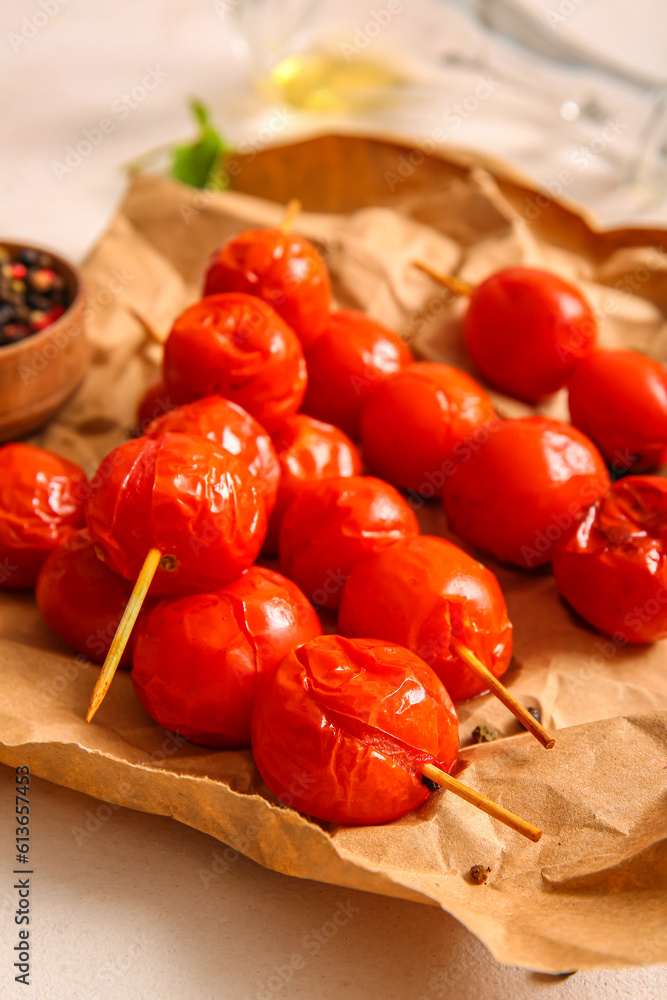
(81,600)
(228,425)
(351,354)
(612,567)
(41,503)
(308,451)
(422,593)
(329,527)
(342,729)
(526,329)
(283,269)
(619,399)
(236,346)
(185,496)
(520,491)
(199,659)
(414,423)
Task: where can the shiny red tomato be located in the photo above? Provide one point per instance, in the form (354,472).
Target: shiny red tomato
(199,660)
(521,490)
(351,355)
(283,269)
(236,346)
(612,567)
(619,398)
(526,329)
(185,496)
(415,423)
(234,430)
(329,527)
(81,600)
(308,451)
(154,403)
(41,503)
(423,593)
(342,730)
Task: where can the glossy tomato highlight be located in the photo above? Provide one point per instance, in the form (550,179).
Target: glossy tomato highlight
(612,568)
(619,398)
(342,729)
(423,593)
(347,359)
(526,329)
(415,422)
(283,269)
(41,503)
(329,527)
(308,451)
(199,660)
(228,425)
(236,346)
(524,488)
(185,496)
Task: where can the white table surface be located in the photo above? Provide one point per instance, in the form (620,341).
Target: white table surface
(135,910)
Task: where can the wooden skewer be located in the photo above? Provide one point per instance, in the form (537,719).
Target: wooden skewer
(124,630)
(498,812)
(454,285)
(293,209)
(501,692)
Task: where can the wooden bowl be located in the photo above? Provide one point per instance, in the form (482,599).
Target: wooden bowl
(39,373)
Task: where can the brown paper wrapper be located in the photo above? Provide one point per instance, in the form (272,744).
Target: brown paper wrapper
(594,890)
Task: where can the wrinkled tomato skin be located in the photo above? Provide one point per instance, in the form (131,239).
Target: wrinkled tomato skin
(347,359)
(308,451)
(619,399)
(423,592)
(185,496)
(154,403)
(228,425)
(81,600)
(524,488)
(526,329)
(41,503)
(414,422)
(329,527)
(199,659)
(236,346)
(342,729)
(283,269)
(612,568)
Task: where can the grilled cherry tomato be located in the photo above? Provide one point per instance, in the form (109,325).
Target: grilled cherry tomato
(423,593)
(81,600)
(154,403)
(308,451)
(329,527)
(234,430)
(236,346)
(526,329)
(415,423)
(283,269)
(185,496)
(199,660)
(619,398)
(612,567)
(41,503)
(350,356)
(524,488)
(342,729)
